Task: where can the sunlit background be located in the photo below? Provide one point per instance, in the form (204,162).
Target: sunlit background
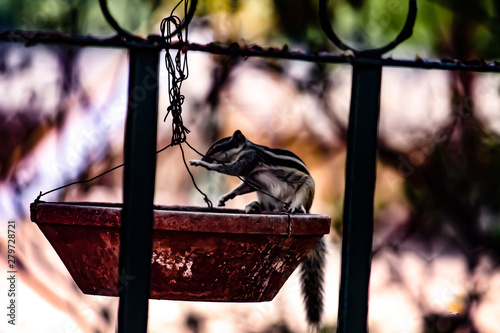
(437,205)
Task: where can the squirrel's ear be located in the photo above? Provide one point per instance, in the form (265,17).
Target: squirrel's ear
(238,136)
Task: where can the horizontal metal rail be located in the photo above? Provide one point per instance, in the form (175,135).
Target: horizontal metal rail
(31,38)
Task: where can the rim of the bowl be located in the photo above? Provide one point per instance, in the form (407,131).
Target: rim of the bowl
(182,219)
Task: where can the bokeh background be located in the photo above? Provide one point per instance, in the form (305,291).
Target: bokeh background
(437,203)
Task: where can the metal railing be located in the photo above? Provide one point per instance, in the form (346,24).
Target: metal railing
(140,146)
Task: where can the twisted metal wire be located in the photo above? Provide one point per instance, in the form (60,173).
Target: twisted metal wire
(178,72)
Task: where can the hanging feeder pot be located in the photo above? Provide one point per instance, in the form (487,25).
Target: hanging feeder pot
(198,254)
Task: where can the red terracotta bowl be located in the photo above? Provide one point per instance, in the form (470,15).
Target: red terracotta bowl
(198,254)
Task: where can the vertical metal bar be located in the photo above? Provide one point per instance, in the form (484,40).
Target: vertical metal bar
(138,192)
(358,200)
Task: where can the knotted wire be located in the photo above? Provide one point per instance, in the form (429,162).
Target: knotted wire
(178,72)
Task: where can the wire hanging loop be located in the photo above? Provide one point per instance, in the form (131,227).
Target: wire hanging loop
(405,33)
(177,67)
(187,18)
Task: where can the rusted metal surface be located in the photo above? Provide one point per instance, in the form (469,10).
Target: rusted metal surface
(224,255)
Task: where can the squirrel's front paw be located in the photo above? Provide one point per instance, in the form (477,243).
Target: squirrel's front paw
(224,198)
(196,162)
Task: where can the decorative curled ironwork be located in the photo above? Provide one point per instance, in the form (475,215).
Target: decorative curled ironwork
(405,33)
(112,22)
(131,37)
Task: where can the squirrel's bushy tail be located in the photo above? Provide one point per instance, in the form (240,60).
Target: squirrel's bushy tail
(311,275)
